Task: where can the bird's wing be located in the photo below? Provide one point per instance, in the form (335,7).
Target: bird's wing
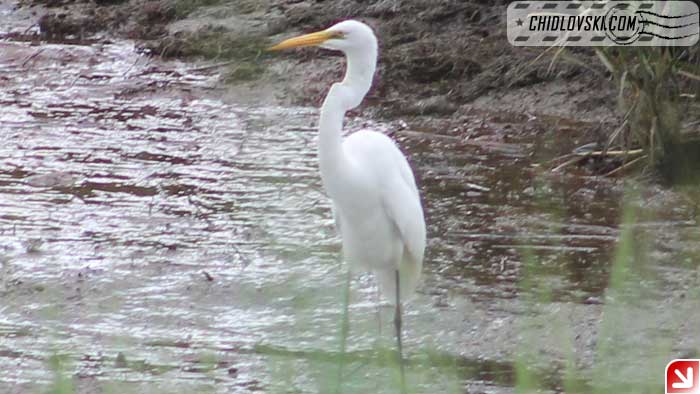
(401,202)
(406,173)
(397,187)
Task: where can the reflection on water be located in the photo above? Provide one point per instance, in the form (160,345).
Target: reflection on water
(158,236)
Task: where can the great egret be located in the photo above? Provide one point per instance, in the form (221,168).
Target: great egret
(376,203)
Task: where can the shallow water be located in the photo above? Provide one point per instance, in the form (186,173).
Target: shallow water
(156,238)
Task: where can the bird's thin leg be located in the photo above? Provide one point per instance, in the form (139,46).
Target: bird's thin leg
(344,330)
(378,300)
(397,325)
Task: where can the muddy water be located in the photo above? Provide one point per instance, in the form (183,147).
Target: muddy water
(155,238)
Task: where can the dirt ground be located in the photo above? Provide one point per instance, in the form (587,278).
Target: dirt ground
(439,59)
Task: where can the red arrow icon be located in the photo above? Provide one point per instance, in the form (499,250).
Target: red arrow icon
(683,376)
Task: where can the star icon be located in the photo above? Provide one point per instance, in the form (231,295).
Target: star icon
(519,22)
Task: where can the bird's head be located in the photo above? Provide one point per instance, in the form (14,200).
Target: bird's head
(345,36)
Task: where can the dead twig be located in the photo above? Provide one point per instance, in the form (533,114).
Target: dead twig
(478,187)
(688,75)
(625,166)
(568,163)
(32,56)
(627,152)
(601,153)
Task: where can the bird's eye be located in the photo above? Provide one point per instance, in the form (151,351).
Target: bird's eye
(338,34)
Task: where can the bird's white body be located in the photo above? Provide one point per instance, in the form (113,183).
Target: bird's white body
(375,199)
(366,213)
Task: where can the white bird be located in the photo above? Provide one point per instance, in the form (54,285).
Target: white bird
(376,203)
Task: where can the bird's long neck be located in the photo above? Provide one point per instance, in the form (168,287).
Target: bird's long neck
(343,96)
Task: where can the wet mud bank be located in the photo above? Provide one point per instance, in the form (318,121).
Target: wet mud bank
(436,58)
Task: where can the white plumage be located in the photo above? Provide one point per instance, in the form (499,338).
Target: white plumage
(379,214)
(376,202)
(372,187)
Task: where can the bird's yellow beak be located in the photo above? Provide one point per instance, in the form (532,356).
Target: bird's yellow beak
(306,40)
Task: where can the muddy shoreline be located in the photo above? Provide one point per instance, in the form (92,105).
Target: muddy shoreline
(438,60)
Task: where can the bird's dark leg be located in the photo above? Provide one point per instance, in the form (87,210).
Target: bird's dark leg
(344,330)
(397,325)
(378,300)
